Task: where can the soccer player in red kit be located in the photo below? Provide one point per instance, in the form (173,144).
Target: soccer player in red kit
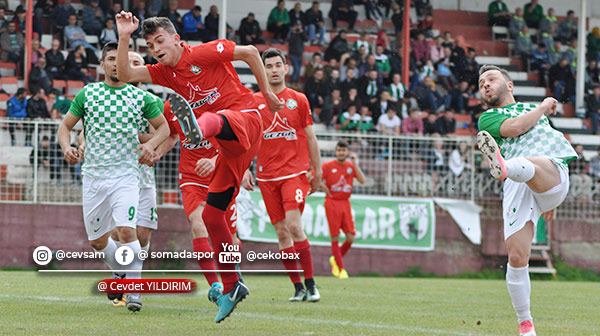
(208,89)
(338,177)
(283,161)
(196,166)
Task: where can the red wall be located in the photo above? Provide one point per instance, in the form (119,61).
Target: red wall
(24,227)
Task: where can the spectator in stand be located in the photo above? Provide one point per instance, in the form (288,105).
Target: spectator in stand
(3,21)
(332,109)
(595,166)
(471,71)
(533,14)
(548,41)
(278,22)
(371,64)
(567,29)
(458,160)
(60,104)
(297,16)
(343,10)
(39,77)
(420,49)
(413,125)
(498,14)
(372,10)
(571,55)
(426,25)
(396,63)
(59,18)
(562,80)
(449,41)
(350,120)
(55,61)
(349,81)
(314,22)
(397,18)
(76,65)
(549,22)
(555,54)
(429,127)
(350,64)
(352,98)
(12,44)
(49,155)
(141,13)
(383,62)
(250,32)
(370,88)
(16,109)
(154,7)
(516,24)
(389,123)
(460,97)
(114,10)
(93,18)
(36,53)
(211,22)
(171,13)
(366,120)
(333,79)
(36,110)
(427,96)
(436,51)
(446,125)
(593,44)
(592,75)
(397,89)
(435,158)
(383,104)
(109,33)
(429,71)
(315,64)
(540,62)
(19,19)
(362,55)
(338,47)
(524,47)
(75,35)
(296,49)
(317,90)
(362,41)
(192,27)
(593,108)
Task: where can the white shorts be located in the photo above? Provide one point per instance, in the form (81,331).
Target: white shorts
(109,203)
(520,204)
(147,215)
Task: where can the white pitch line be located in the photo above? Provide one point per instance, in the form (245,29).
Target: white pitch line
(341,323)
(171,271)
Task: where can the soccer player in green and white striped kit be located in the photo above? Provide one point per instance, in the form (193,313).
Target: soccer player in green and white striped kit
(531,157)
(112,112)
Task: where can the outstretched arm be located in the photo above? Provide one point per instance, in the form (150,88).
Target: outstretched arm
(514,127)
(249,54)
(127,23)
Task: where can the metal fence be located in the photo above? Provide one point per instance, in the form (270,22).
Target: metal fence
(32,170)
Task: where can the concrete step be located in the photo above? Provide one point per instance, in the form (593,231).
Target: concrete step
(586,139)
(529,91)
(518,75)
(542,270)
(524,82)
(495,60)
(567,123)
(465,18)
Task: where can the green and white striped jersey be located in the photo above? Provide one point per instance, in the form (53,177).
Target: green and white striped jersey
(112,118)
(540,140)
(147,174)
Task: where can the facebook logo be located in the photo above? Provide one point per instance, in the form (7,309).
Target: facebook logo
(124,255)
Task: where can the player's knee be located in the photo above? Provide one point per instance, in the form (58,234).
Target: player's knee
(281,230)
(350,238)
(335,238)
(144,237)
(126,234)
(98,244)
(518,258)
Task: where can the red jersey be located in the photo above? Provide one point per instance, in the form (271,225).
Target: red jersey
(205,77)
(339,178)
(190,153)
(284,149)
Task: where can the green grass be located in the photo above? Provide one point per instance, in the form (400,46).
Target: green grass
(36,304)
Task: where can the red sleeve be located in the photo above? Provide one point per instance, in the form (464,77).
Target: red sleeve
(159,74)
(169,116)
(213,52)
(307,119)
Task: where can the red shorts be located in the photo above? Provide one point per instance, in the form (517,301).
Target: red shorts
(285,195)
(236,155)
(194,195)
(339,216)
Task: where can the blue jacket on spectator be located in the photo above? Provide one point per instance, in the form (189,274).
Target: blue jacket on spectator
(190,22)
(16,108)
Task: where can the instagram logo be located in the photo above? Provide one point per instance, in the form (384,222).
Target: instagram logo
(42,255)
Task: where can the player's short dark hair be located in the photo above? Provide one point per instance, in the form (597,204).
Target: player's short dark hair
(21,91)
(342,144)
(197,8)
(55,92)
(489,67)
(273,52)
(110,46)
(151,25)
(570,12)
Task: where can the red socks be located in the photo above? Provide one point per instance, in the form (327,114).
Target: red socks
(210,124)
(201,245)
(337,254)
(291,265)
(218,231)
(303,248)
(345,248)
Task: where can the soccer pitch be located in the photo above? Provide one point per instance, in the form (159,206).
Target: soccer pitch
(35,304)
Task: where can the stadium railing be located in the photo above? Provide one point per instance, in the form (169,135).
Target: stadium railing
(395,166)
